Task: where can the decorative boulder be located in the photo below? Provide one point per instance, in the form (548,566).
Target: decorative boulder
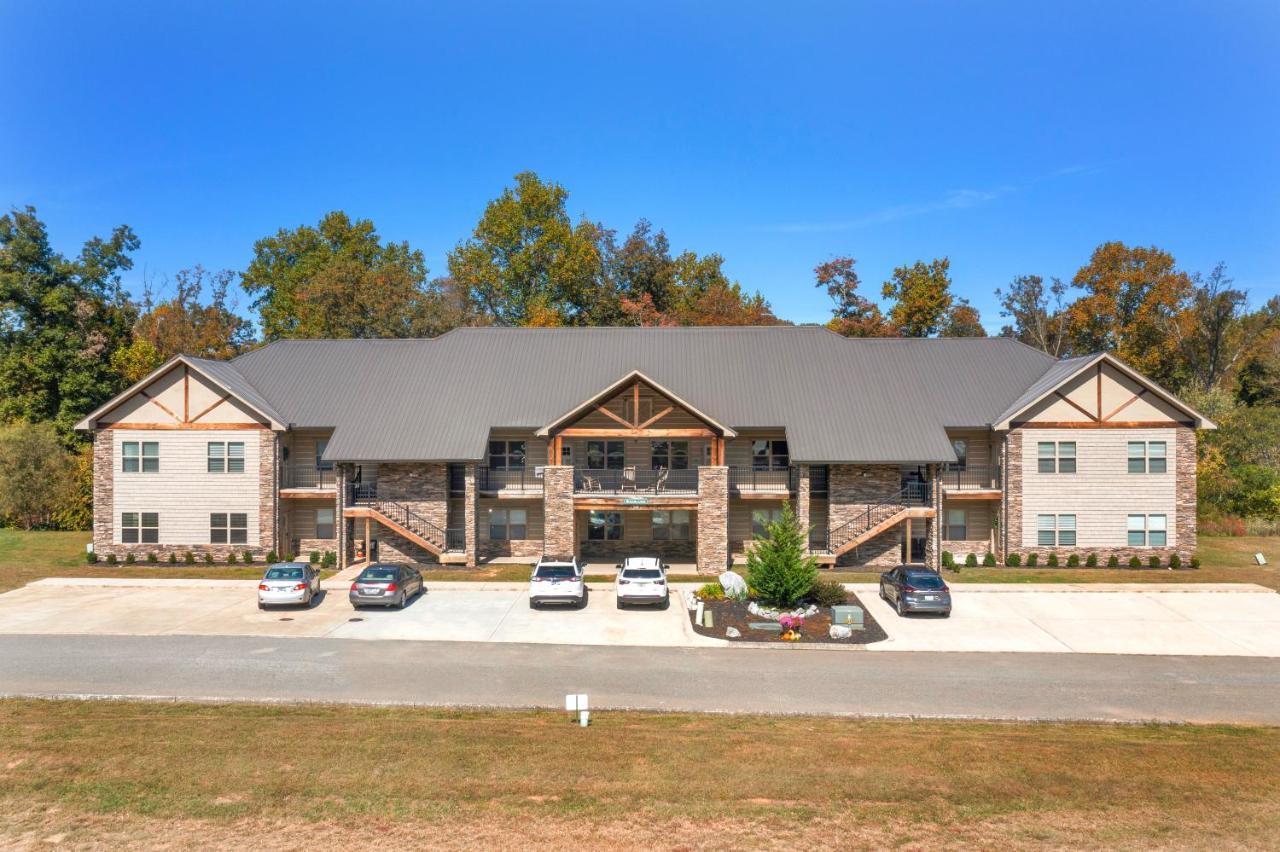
(733,584)
(732,632)
(839,631)
(753,608)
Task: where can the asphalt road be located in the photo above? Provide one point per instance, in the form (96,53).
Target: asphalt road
(748,680)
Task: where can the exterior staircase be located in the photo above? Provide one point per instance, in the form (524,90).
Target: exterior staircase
(406,523)
(910,502)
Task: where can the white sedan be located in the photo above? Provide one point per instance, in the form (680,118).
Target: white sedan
(643,580)
(288,583)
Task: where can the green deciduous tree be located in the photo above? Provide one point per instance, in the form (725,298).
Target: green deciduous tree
(853,315)
(1038,313)
(527,261)
(38,478)
(779,568)
(922,297)
(61,319)
(339,279)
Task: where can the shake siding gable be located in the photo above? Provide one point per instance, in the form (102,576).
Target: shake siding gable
(1101,493)
(184,493)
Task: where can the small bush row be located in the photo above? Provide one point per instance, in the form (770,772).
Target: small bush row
(1014,560)
(328,559)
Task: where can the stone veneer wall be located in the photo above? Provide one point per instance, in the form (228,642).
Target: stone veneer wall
(1185,490)
(103,491)
(424,489)
(713,519)
(616,550)
(1011,516)
(851,489)
(469,513)
(558,515)
(802,501)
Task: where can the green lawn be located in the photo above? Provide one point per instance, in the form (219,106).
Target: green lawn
(107,774)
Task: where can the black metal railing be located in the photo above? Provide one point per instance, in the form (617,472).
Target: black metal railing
(457,480)
(509,479)
(970,477)
(912,494)
(818,479)
(635,480)
(777,479)
(455,539)
(413,522)
(306,476)
(363,492)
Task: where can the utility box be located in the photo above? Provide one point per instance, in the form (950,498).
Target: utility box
(847,614)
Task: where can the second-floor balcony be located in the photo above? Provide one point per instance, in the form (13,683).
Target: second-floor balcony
(636,481)
(970,478)
(509,480)
(309,476)
(780,481)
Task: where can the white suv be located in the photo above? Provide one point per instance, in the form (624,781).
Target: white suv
(643,579)
(557,581)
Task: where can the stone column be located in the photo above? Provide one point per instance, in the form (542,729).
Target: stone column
(1184,466)
(713,519)
(557,503)
(933,526)
(802,502)
(469,513)
(342,476)
(1011,518)
(268,491)
(104,475)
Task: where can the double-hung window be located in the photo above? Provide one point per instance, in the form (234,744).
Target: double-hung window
(140,457)
(1148,457)
(605,455)
(673,455)
(671,525)
(1148,530)
(322,444)
(604,526)
(1056,530)
(324,523)
(961,448)
(508,524)
(140,527)
(957,525)
(506,455)
(225,457)
(1056,456)
(769,455)
(229,528)
(761,518)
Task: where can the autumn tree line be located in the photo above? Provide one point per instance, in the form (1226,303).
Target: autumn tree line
(71,337)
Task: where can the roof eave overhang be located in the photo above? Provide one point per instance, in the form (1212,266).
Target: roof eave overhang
(634,375)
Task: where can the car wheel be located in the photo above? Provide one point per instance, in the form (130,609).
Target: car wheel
(533,604)
(261,605)
(404,600)
(666,603)
(619,603)
(946,614)
(902,608)
(883,596)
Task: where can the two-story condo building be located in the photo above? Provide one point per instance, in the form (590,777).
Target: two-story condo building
(505,444)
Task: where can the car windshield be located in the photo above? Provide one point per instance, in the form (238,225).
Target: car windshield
(554,572)
(642,573)
(925,580)
(376,575)
(284,573)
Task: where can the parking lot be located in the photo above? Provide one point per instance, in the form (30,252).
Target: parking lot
(1235,619)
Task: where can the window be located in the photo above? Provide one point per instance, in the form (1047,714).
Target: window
(1148,457)
(226,457)
(1056,530)
(761,518)
(1148,531)
(671,526)
(673,455)
(324,523)
(769,455)
(961,448)
(604,526)
(140,527)
(566,454)
(605,455)
(957,525)
(230,528)
(508,524)
(506,455)
(322,444)
(1056,457)
(141,456)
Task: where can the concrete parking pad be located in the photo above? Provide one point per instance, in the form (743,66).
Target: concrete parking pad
(1234,620)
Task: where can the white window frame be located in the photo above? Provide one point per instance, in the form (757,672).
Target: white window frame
(1056,530)
(145,456)
(670,525)
(950,527)
(135,529)
(333,529)
(224,457)
(1061,460)
(1151,463)
(1148,528)
(231,527)
(504,524)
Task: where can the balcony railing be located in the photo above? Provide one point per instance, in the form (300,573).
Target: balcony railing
(818,479)
(506,479)
(306,476)
(638,481)
(455,539)
(970,478)
(781,480)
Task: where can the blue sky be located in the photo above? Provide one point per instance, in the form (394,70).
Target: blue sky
(1011,137)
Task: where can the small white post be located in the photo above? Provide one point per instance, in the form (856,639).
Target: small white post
(584,718)
(697,616)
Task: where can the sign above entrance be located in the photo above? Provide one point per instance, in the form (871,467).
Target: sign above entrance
(635,501)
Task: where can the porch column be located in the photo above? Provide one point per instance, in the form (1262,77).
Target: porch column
(559,535)
(469,513)
(342,477)
(802,502)
(933,526)
(713,519)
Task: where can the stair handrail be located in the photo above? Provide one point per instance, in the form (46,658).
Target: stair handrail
(413,522)
(875,513)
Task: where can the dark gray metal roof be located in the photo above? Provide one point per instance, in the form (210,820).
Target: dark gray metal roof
(839,399)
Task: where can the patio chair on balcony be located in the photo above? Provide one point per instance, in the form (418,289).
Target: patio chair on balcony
(590,483)
(628,479)
(660,484)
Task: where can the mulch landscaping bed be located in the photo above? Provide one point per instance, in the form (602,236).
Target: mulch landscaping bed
(816,628)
